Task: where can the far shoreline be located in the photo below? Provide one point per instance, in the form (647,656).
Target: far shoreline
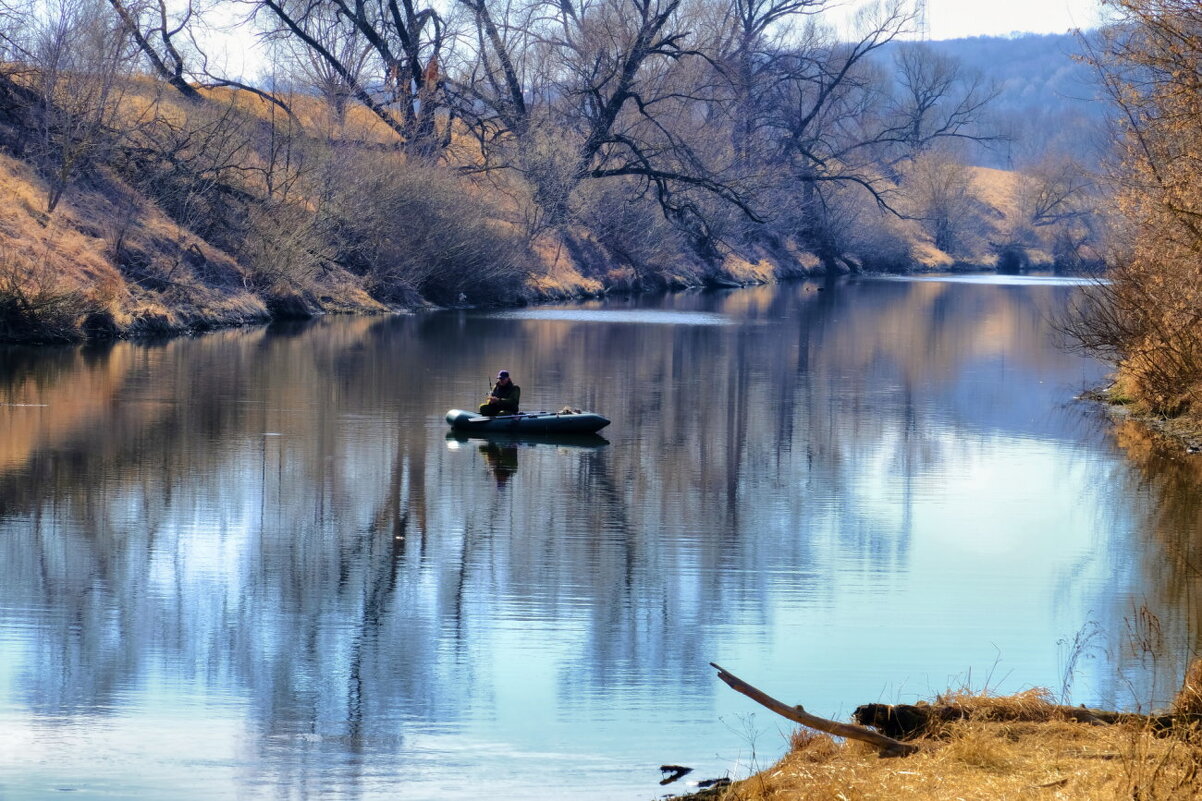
(92,331)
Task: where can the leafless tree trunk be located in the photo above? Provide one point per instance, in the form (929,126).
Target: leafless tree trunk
(407,44)
(565,93)
(80,57)
(164,35)
(149,24)
(345,43)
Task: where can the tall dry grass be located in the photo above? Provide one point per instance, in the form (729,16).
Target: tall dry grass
(38,305)
(1018,746)
(991,759)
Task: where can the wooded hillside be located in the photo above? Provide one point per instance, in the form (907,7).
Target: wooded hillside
(398,154)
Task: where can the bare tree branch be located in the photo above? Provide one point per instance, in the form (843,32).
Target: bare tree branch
(887,746)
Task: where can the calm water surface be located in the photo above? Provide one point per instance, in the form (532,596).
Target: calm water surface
(253,564)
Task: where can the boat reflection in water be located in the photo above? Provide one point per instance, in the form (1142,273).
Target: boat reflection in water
(531,439)
(500,451)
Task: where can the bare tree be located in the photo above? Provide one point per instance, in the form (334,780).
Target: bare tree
(13,28)
(80,58)
(821,116)
(565,93)
(750,39)
(166,37)
(936,99)
(830,115)
(349,48)
(407,44)
(1057,190)
(937,186)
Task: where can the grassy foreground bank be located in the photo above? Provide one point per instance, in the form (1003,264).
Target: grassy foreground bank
(1015,747)
(1025,746)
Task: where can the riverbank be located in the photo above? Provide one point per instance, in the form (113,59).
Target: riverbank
(1015,747)
(985,762)
(163,237)
(1156,432)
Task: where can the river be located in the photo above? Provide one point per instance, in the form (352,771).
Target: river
(254,565)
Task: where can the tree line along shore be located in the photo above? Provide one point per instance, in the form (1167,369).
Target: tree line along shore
(394,155)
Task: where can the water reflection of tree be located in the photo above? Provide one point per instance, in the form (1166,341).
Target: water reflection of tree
(122,537)
(1170,484)
(724,413)
(277,513)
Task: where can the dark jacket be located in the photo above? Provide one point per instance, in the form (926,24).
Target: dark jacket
(507,396)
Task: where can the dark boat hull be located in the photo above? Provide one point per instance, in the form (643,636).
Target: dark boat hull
(532,422)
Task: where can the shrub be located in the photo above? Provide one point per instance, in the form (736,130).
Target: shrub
(282,247)
(632,229)
(411,229)
(35,304)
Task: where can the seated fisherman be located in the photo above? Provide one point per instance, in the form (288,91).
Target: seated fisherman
(504,398)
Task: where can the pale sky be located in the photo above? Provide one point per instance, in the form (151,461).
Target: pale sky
(953,19)
(947,19)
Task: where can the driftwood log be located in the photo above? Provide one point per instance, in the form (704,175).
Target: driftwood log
(886,746)
(886,726)
(906,721)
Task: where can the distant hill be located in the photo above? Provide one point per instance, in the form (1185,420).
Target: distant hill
(1050,101)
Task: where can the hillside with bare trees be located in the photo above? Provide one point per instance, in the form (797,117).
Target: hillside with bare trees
(396,154)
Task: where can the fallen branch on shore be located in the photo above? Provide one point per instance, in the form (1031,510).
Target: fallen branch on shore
(886,746)
(886,726)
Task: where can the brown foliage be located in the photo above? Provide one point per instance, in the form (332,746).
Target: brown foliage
(1148,318)
(1189,697)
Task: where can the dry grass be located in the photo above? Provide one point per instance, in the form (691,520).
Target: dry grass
(1009,747)
(170,278)
(744,270)
(1033,705)
(997,189)
(560,276)
(930,257)
(989,761)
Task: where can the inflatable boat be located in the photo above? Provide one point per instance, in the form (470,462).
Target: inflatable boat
(573,422)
